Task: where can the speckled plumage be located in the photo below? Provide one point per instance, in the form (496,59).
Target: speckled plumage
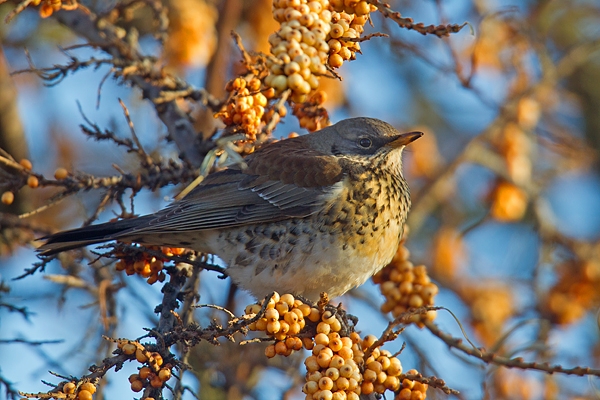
(316,213)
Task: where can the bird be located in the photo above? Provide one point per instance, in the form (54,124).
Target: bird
(316,213)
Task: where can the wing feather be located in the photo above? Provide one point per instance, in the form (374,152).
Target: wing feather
(274,187)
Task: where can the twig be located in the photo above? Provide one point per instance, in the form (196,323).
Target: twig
(517,362)
(408,23)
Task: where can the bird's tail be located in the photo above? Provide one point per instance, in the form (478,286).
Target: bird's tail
(80,237)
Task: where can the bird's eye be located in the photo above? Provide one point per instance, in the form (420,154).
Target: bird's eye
(365,142)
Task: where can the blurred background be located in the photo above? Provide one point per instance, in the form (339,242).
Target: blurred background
(505,189)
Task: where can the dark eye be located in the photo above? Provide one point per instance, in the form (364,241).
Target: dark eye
(365,142)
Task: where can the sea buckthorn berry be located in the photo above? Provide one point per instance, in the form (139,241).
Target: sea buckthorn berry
(322,339)
(61,173)
(324,359)
(337,361)
(89,387)
(324,328)
(69,388)
(335,344)
(84,395)
(325,383)
(32,182)
(137,386)
(270,351)
(140,356)
(310,387)
(272,315)
(157,358)
(333,373)
(8,198)
(366,388)
(346,371)
(164,374)
(156,382)
(25,163)
(144,373)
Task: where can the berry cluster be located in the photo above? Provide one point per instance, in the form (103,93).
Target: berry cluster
(284,318)
(509,200)
(492,304)
(574,293)
(246,105)
(33,182)
(153,373)
(84,391)
(381,369)
(348,19)
(300,47)
(147,266)
(313,36)
(311,114)
(412,390)
(406,286)
(331,372)
(48,7)
(334,368)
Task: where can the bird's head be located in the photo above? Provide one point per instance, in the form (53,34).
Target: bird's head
(363,139)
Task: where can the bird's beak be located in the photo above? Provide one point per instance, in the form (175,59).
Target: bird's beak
(404,139)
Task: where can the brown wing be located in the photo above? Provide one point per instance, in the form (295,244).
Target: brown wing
(282,180)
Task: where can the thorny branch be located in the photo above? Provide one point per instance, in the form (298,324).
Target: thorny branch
(409,23)
(517,362)
(128,64)
(141,71)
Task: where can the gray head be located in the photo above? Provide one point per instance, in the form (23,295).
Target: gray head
(360,137)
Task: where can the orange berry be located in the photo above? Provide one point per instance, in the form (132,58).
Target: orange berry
(308,343)
(25,163)
(324,359)
(325,383)
(157,358)
(322,338)
(346,353)
(311,364)
(69,387)
(8,198)
(140,356)
(335,61)
(336,325)
(324,328)
(314,315)
(32,181)
(370,375)
(366,388)
(335,344)
(156,382)
(89,387)
(281,348)
(164,374)
(270,351)
(368,341)
(144,372)
(273,327)
(310,387)
(61,173)
(137,386)
(261,324)
(84,395)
